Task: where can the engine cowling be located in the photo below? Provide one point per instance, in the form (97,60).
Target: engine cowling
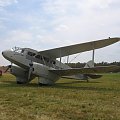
(45,77)
(20,74)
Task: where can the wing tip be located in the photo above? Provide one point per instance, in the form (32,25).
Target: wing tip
(116,39)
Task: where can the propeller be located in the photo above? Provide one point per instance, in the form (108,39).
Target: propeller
(8,67)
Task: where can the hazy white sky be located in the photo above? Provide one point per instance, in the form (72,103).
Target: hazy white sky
(45,24)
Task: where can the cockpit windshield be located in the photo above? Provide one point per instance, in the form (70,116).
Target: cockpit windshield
(17,49)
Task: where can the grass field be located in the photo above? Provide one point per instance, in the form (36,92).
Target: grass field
(67,100)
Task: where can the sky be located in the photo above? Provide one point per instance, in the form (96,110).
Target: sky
(47,24)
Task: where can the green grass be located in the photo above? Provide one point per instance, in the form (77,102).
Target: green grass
(67,100)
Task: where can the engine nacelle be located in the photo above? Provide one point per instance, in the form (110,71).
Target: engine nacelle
(45,77)
(20,74)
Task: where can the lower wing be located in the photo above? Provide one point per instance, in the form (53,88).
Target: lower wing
(83,76)
(73,71)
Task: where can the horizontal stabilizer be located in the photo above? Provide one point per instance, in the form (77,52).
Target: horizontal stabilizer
(93,76)
(73,71)
(83,76)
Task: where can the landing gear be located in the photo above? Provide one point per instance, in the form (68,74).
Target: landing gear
(41,84)
(18,82)
(87,80)
(21,80)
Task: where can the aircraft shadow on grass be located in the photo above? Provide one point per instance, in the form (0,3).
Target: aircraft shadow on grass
(71,85)
(67,85)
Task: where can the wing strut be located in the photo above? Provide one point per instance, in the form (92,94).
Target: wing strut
(93,55)
(60,59)
(68,59)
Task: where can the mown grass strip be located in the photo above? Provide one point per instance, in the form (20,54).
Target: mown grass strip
(66,100)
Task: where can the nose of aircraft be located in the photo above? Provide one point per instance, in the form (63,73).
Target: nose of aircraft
(5,53)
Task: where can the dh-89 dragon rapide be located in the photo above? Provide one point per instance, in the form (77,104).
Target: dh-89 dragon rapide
(30,63)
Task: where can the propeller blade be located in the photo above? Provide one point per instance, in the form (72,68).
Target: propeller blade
(8,67)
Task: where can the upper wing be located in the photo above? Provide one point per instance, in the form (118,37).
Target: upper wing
(73,71)
(77,48)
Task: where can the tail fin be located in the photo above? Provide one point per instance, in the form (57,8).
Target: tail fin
(89,64)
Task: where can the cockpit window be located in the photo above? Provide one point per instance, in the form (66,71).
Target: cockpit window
(17,49)
(38,56)
(31,54)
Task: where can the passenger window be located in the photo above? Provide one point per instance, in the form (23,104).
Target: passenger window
(46,59)
(53,62)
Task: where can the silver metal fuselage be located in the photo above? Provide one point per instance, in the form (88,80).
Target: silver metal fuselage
(41,65)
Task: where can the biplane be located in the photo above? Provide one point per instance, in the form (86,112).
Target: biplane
(30,63)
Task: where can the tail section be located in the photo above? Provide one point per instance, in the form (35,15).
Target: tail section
(89,64)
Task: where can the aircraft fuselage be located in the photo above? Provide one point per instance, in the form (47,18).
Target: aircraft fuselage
(41,65)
